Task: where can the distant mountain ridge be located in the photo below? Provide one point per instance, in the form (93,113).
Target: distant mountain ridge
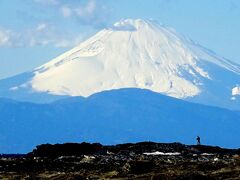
(113,117)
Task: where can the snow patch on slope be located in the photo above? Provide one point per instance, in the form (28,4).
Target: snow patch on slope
(236,91)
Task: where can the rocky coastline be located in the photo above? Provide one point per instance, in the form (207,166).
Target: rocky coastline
(144,160)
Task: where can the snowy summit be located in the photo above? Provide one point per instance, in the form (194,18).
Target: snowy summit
(140,54)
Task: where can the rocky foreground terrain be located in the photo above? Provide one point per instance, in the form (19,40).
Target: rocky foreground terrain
(145,160)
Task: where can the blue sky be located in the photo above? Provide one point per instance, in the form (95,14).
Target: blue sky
(33,32)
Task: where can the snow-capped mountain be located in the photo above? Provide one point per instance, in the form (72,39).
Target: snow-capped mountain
(137,54)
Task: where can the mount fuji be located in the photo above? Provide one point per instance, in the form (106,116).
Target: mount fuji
(133,54)
(123,77)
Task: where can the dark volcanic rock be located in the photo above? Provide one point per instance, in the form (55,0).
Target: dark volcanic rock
(123,161)
(76,149)
(68,149)
(139,166)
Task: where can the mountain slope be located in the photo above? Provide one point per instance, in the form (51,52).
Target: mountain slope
(118,116)
(135,54)
(17,89)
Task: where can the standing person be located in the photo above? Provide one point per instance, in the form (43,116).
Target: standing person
(198,140)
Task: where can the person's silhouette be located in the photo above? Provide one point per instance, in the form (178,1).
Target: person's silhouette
(198,140)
